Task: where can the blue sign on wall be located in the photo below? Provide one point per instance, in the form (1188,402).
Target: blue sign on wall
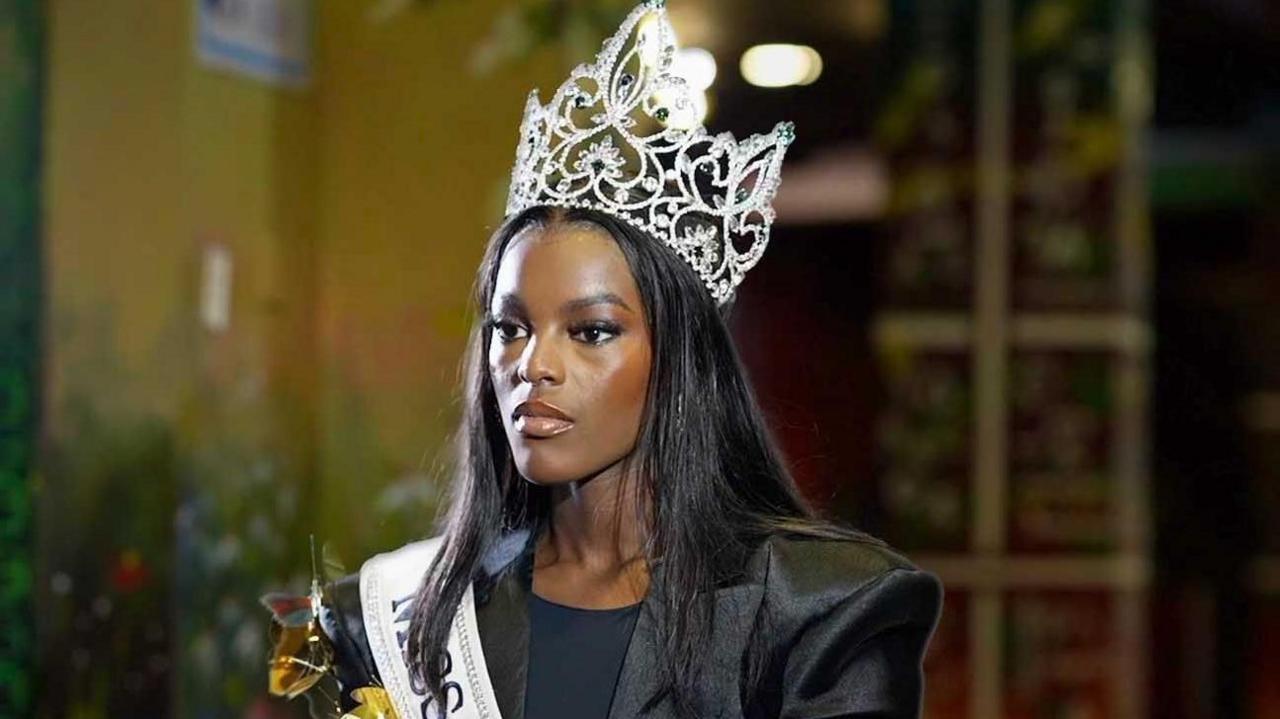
(266,39)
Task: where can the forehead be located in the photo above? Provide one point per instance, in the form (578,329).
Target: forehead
(562,262)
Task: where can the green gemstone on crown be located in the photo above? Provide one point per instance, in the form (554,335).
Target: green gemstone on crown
(662,114)
(787,133)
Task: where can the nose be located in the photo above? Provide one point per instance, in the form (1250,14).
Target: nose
(540,362)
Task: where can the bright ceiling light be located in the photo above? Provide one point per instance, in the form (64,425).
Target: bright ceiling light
(781,65)
(696,66)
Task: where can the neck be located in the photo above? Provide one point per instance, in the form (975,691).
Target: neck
(595,524)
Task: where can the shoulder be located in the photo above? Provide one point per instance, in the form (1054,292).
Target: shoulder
(344,597)
(813,563)
(342,611)
(848,624)
(808,578)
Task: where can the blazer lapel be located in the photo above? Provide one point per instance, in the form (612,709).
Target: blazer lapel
(640,679)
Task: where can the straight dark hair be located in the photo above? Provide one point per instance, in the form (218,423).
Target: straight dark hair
(712,479)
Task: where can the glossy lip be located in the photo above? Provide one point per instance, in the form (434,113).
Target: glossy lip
(538,419)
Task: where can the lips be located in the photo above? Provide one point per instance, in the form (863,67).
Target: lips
(538,419)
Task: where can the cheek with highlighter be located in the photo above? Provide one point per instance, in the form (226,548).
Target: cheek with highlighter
(603,389)
(569,353)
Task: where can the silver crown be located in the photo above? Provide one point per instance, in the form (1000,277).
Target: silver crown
(623,136)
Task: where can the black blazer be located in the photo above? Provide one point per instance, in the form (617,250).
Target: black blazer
(849,624)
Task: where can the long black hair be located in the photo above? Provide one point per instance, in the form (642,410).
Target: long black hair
(712,479)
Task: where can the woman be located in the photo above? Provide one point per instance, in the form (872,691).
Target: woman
(624,538)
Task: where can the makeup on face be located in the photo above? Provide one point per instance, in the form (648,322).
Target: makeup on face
(536,418)
(569,353)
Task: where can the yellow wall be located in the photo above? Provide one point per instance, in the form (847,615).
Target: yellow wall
(116,244)
(415,157)
(148,156)
(355,212)
(151,421)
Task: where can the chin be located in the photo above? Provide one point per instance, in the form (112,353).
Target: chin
(549,467)
(547,471)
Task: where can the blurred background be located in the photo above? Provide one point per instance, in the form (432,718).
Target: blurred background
(1020,315)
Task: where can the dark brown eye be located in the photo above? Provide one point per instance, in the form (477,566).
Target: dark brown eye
(596,333)
(506,331)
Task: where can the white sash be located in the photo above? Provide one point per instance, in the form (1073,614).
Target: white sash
(388,583)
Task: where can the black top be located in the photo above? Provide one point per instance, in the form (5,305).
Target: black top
(575,656)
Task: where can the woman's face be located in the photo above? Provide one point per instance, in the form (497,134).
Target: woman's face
(569,352)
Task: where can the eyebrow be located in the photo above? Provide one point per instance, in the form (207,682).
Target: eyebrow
(512,303)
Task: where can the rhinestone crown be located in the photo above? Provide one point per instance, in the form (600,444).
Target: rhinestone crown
(623,136)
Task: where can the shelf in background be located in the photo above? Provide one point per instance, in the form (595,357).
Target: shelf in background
(1264,575)
(1050,571)
(954,330)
